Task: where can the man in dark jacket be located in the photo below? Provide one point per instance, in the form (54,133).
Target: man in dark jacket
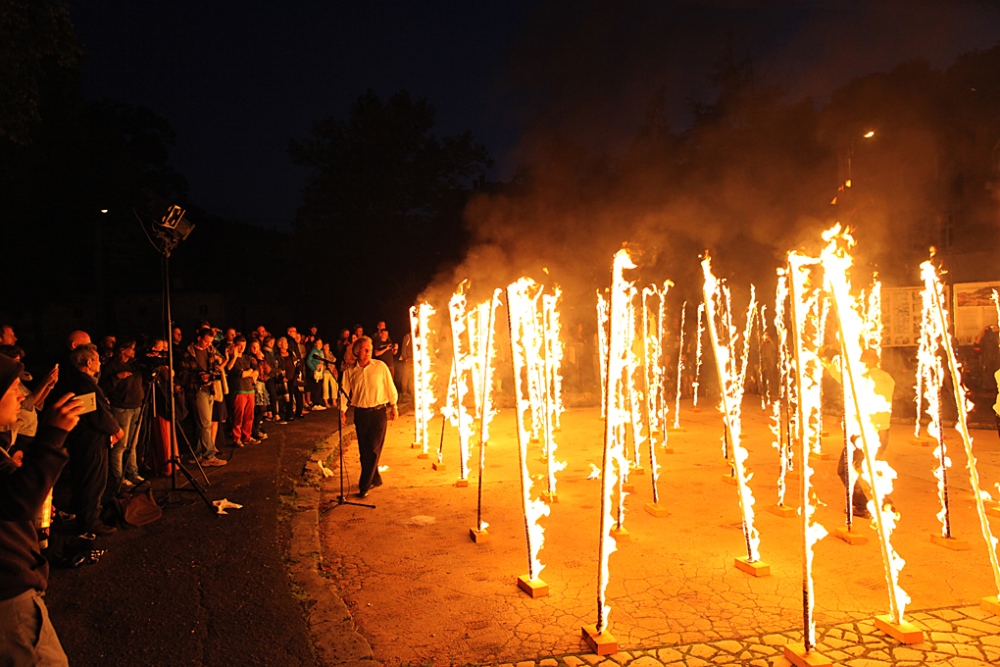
(122,382)
(89,442)
(26,633)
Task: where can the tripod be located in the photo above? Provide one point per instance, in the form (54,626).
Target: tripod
(342,498)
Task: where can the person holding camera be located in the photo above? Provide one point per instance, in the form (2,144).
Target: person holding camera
(122,381)
(201,371)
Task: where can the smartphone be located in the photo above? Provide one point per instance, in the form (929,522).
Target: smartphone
(89,402)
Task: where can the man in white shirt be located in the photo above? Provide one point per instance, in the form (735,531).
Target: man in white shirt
(372,395)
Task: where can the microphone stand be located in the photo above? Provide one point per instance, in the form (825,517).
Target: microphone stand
(342,498)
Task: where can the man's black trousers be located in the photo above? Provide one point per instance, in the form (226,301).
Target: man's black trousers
(370,424)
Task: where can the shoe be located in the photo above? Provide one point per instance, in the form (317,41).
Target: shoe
(88,536)
(861,513)
(376,483)
(102,529)
(318,407)
(363,494)
(214,462)
(262,436)
(127,484)
(282,421)
(253,441)
(137,480)
(238,443)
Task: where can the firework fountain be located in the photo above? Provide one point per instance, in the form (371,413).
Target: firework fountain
(934,301)
(732,374)
(779,419)
(551,387)
(653,377)
(614,462)
(680,371)
(836,261)
(423,377)
(486,314)
(520,317)
(697,363)
(459,387)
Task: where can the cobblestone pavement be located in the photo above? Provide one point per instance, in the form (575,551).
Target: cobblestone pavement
(416,590)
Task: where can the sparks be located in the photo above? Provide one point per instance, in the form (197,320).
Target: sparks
(423,377)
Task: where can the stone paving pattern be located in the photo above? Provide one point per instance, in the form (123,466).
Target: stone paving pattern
(409,587)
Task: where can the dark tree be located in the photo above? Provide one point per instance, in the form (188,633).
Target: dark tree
(382,207)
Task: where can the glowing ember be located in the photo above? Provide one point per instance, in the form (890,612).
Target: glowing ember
(521,319)
(837,262)
(732,372)
(614,462)
(423,377)
(932,286)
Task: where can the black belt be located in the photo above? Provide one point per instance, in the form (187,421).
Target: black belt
(377,407)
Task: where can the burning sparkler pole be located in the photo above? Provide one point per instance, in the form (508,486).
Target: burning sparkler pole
(653,373)
(731,375)
(933,285)
(520,309)
(778,419)
(456,309)
(614,462)
(812,531)
(697,366)
(836,264)
(603,316)
(552,388)
(423,378)
(485,412)
(680,370)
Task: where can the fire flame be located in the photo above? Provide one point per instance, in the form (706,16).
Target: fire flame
(615,462)
(680,368)
(521,297)
(732,373)
(784,372)
(837,262)
(423,377)
(458,390)
(697,365)
(485,339)
(603,316)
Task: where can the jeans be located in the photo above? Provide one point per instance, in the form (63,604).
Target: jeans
(124,449)
(202,416)
(26,633)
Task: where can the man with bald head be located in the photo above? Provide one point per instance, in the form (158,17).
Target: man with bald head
(76,339)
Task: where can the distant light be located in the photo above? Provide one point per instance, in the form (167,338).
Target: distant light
(869,134)
(847,183)
(104,210)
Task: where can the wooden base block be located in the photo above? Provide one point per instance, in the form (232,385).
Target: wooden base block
(423,455)
(784,511)
(549,497)
(479,536)
(695,409)
(851,537)
(637,470)
(439,466)
(601,643)
(414,445)
(656,509)
(922,441)
(535,588)
(621,535)
(820,456)
(729,479)
(797,655)
(990,604)
(628,487)
(993,512)
(755,569)
(462,483)
(667,450)
(950,543)
(904,633)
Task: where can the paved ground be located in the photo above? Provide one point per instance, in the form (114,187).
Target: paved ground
(291,579)
(420,591)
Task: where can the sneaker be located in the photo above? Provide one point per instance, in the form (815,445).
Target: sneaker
(318,407)
(262,436)
(137,480)
(127,484)
(282,421)
(239,443)
(214,462)
(253,441)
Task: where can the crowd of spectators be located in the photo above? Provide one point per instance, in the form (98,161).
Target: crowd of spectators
(106,413)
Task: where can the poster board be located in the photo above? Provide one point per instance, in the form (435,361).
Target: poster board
(901,312)
(973,309)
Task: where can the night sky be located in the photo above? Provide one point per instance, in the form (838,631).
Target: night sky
(238,80)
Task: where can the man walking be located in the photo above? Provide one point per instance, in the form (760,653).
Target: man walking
(372,394)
